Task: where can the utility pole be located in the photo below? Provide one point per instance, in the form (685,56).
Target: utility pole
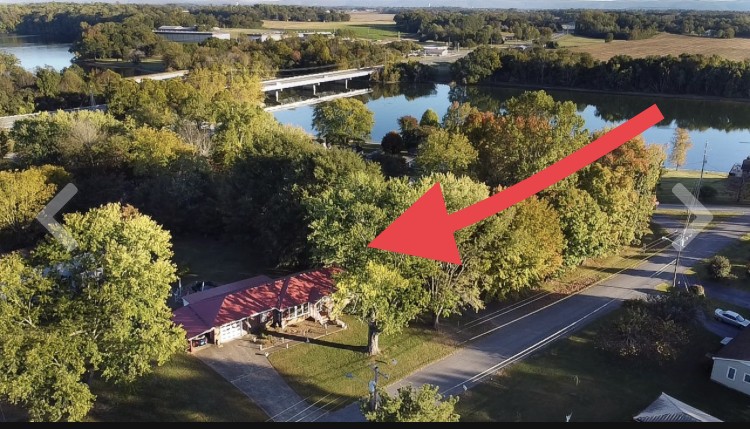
(683,238)
(703,168)
(374,399)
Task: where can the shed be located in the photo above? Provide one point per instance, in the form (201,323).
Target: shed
(666,409)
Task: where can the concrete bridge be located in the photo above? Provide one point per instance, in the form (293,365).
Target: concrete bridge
(159,76)
(313,80)
(275,85)
(281,84)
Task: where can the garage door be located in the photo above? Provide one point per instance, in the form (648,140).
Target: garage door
(231,331)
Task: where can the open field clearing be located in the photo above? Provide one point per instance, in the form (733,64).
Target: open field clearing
(374,26)
(662,44)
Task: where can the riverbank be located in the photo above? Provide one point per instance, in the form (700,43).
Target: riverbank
(535,87)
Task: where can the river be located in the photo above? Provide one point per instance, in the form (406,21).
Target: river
(32,52)
(725,125)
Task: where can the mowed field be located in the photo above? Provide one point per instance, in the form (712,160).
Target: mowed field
(376,26)
(662,44)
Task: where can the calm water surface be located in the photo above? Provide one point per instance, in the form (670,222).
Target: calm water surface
(34,53)
(724,124)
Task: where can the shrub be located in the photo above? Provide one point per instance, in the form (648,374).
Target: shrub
(655,328)
(392,143)
(708,193)
(719,267)
(697,290)
(6,144)
(609,37)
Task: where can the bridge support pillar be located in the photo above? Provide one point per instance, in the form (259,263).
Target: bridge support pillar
(346,84)
(277,96)
(315,89)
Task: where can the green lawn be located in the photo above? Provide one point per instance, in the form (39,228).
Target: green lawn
(184,390)
(218,261)
(572,376)
(689,178)
(336,371)
(363,30)
(739,254)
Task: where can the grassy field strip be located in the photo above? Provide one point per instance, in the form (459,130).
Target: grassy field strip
(531,349)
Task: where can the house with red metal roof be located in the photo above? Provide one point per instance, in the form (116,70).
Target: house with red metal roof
(231,311)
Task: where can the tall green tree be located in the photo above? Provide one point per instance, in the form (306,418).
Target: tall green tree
(534,132)
(410,404)
(98,310)
(679,147)
(381,297)
(430,118)
(338,235)
(23,195)
(342,120)
(479,65)
(446,152)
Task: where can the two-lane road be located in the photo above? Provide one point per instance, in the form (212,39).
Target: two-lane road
(530,331)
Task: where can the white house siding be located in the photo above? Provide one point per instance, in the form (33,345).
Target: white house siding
(741,370)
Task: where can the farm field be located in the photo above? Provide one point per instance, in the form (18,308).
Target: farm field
(662,44)
(376,26)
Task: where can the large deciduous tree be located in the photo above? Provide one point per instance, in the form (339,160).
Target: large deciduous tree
(99,309)
(534,132)
(445,152)
(347,216)
(342,120)
(23,195)
(380,296)
(479,65)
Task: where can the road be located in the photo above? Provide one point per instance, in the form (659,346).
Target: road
(524,332)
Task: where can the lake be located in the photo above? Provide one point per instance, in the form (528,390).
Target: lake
(32,52)
(723,124)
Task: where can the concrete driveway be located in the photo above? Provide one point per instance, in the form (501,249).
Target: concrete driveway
(248,369)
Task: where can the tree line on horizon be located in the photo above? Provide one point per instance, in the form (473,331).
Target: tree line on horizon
(478,27)
(691,74)
(61,22)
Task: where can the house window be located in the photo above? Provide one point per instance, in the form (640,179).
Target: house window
(731,372)
(747,378)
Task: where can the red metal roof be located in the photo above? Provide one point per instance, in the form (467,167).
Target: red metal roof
(213,311)
(226,289)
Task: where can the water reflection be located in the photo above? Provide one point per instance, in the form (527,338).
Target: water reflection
(692,114)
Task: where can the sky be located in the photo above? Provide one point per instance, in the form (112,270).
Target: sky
(743,5)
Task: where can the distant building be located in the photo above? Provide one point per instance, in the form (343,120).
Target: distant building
(262,37)
(569,28)
(307,34)
(437,51)
(181,34)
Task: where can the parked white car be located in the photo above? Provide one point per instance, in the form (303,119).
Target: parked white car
(731,318)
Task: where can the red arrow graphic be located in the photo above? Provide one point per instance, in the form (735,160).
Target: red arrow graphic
(426,229)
